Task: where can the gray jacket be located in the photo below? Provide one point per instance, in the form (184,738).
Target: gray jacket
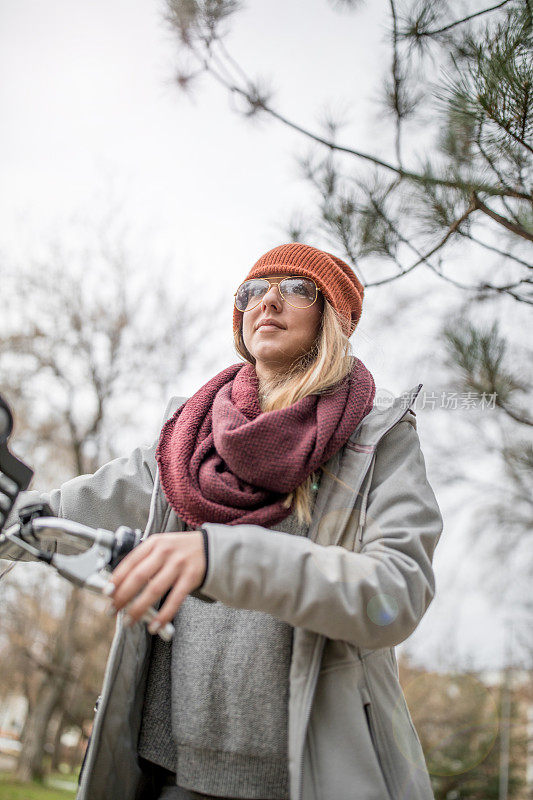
(357,586)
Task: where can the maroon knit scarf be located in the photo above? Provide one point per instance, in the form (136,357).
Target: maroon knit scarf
(221,459)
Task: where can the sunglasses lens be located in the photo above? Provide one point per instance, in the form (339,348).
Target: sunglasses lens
(250,293)
(299,292)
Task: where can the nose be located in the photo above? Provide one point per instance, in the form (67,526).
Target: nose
(272,299)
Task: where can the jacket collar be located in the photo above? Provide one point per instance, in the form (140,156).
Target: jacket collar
(378,421)
(345,471)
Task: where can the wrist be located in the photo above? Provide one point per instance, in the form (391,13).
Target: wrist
(206,554)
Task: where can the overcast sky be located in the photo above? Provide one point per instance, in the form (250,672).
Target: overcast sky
(88,96)
(92,116)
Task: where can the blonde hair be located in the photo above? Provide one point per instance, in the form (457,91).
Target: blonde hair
(317,372)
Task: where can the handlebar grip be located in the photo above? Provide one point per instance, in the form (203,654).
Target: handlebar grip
(6,423)
(15,475)
(125,540)
(26,515)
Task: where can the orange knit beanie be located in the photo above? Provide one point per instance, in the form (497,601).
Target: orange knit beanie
(334,278)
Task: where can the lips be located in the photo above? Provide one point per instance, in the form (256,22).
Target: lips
(268,323)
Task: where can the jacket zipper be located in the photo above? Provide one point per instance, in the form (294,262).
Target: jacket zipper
(103,699)
(317,657)
(369,715)
(386,768)
(364,500)
(102,702)
(323,638)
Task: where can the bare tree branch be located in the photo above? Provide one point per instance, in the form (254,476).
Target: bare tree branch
(445,28)
(396,81)
(88,347)
(493,249)
(424,259)
(511,226)
(257,103)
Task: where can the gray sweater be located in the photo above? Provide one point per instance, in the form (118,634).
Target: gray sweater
(215,709)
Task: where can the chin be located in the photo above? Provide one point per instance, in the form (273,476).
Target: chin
(271,357)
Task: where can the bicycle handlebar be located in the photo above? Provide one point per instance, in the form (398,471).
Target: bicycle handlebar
(89,569)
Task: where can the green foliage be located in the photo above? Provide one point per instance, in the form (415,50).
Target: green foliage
(481,357)
(457,137)
(12,790)
(481,780)
(403,99)
(493,87)
(375,235)
(434,209)
(459,722)
(200,18)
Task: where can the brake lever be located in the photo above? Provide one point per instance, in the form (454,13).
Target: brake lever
(91,569)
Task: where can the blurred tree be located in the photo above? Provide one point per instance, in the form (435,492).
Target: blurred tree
(458,720)
(53,654)
(88,341)
(87,346)
(471,182)
(481,362)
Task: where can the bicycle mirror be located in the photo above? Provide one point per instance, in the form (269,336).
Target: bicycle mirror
(15,475)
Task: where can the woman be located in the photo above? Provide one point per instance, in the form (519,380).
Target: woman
(289,531)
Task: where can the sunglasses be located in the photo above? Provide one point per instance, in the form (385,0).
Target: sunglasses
(296,291)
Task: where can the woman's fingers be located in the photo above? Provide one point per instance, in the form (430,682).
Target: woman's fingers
(133,558)
(137,578)
(174,561)
(171,606)
(154,590)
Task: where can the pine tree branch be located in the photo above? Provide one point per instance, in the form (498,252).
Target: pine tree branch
(490,161)
(351,255)
(495,249)
(513,414)
(257,103)
(510,132)
(509,290)
(471,287)
(492,164)
(513,216)
(396,81)
(406,174)
(514,295)
(511,226)
(508,286)
(463,20)
(525,111)
(424,258)
(491,110)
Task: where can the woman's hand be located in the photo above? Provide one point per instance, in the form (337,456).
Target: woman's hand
(164,561)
